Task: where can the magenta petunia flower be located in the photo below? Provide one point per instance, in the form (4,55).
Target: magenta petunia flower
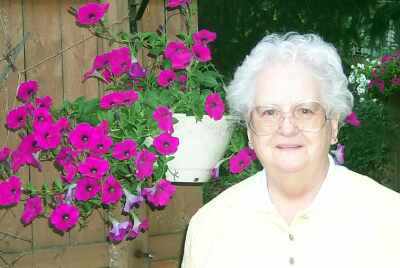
(16,118)
(129,97)
(26,90)
(239,161)
(64,217)
(70,171)
(100,143)
(386,58)
(118,231)
(29,144)
(204,37)
(182,79)
(214,173)
(201,53)
(396,81)
(66,156)
(111,191)
(166,144)
(124,150)
(10,191)
(41,116)
(4,153)
(163,116)
(144,164)
(32,209)
(29,108)
(111,100)
(352,119)
(250,152)
(44,102)
(137,71)
(177,3)
(91,13)
(166,78)
(132,200)
(62,125)
(179,55)
(379,83)
(120,61)
(80,136)
(160,194)
(214,106)
(137,227)
(339,154)
(20,158)
(94,167)
(86,188)
(47,136)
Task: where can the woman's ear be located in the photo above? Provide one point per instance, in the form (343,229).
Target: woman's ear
(335,128)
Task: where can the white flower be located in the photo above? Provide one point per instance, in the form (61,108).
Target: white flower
(361,66)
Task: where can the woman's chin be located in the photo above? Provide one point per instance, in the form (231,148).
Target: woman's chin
(290,162)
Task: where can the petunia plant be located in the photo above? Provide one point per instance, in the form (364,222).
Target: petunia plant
(112,152)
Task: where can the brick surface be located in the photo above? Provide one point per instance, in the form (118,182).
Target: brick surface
(93,232)
(166,246)
(165,264)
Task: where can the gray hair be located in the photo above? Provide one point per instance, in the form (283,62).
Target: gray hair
(308,49)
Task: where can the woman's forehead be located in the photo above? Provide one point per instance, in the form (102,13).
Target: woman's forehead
(286,84)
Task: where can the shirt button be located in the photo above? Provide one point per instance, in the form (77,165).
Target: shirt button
(291,260)
(291,237)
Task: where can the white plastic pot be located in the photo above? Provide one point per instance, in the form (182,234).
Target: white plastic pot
(201,145)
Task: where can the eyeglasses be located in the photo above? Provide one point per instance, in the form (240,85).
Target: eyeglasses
(308,116)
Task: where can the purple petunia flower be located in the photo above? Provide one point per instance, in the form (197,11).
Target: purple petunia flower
(160,194)
(202,53)
(64,217)
(32,209)
(120,61)
(27,90)
(124,150)
(111,191)
(29,144)
(91,13)
(119,230)
(10,191)
(41,116)
(339,154)
(47,136)
(110,100)
(100,142)
(86,188)
(137,227)
(179,55)
(4,153)
(70,172)
(132,200)
(80,136)
(166,78)
(396,81)
(239,161)
(177,3)
(94,167)
(214,106)
(166,144)
(353,120)
(62,124)
(44,102)
(164,119)
(144,164)
(137,71)
(204,37)
(20,158)
(16,118)
(66,156)
(378,83)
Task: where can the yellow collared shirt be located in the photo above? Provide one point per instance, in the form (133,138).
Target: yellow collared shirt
(353,222)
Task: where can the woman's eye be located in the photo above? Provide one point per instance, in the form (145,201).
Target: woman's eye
(268,112)
(306,111)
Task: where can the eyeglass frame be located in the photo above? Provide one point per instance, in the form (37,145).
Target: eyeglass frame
(283,116)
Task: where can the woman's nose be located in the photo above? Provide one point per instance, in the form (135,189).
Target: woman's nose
(287,125)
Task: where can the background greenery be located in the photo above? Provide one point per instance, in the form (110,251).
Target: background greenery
(358,28)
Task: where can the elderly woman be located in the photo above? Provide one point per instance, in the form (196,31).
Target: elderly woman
(301,210)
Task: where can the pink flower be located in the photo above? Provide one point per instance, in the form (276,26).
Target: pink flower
(4,153)
(10,191)
(32,209)
(47,136)
(124,150)
(177,3)
(166,78)
(20,158)
(202,53)
(179,55)
(137,71)
(91,13)
(119,230)
(144,164)
(66,156)
(86,188)
(111,100)
(250,152)
(214,106)
(163,116)
(166,144)
(132,200)
(204,37)
(27,90)
(70,172)
(94,167)
(64,217)
(339,154)
(120,61)
(100,142)
(352,119)
(396,81)
(80,136)
(129,97)
(239,162)
(111,191)
(41,116)
(378,83)
(160,194)
(62,124)
(16,118)
(386,58)
(137,227)
(29,144)
(44,102)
